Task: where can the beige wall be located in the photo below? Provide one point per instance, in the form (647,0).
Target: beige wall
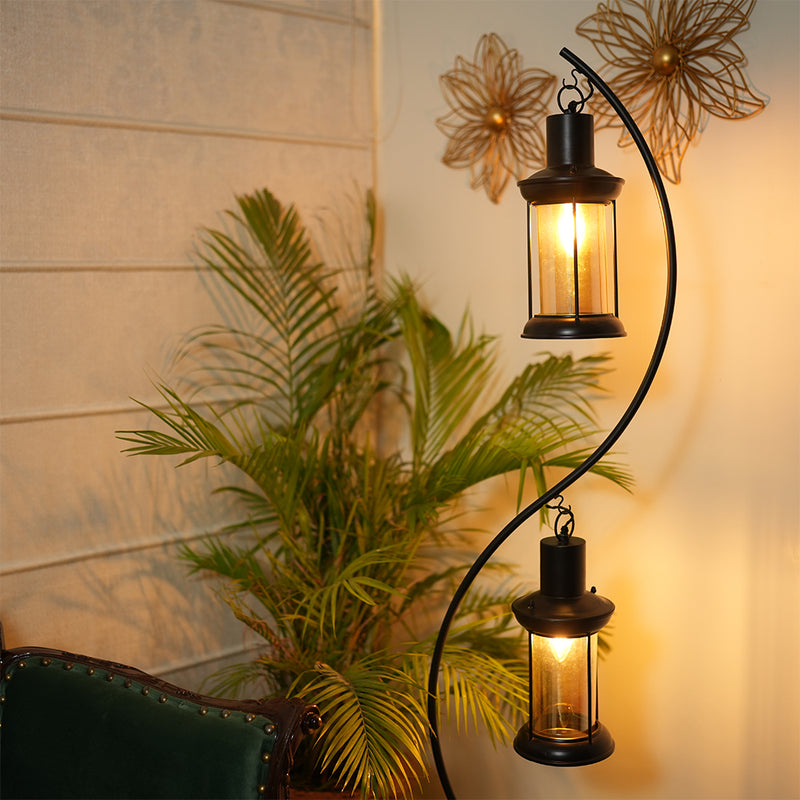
(124,126)
(703,559)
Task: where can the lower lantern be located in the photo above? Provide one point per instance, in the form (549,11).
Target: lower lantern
(562,620)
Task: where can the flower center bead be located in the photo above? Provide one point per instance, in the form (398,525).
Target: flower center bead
(666,59)
(496,119)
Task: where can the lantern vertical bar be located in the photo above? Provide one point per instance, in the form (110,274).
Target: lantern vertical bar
(597,685)
(614,232)
(530,684)
(589,721)
(530,264)
(576,293)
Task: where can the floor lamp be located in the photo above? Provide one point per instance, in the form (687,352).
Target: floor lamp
(562,618)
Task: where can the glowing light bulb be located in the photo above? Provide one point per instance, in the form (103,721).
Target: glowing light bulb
(560,648)
(567,227)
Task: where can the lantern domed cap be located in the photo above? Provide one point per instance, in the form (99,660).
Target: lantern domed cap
(570,174)
(562,607)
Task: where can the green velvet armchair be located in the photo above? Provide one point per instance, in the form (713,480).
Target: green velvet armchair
(72,726)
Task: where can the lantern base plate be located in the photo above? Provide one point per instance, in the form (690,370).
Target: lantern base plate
(565,753)
(587,326)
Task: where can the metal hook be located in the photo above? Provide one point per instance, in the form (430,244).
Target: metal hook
(574,106)
(565,530)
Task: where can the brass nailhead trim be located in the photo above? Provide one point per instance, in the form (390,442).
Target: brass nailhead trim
(265,757)
(145,690)
(23,664)
(110,677)
(249,717)
(226,714)
(203,711)
(46,662)
(68,665)
(90,671)
(128,683)
(262,789)
(162,698)
(269,729)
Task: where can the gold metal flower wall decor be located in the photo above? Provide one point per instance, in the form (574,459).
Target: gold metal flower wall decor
(495,113)
(673,63)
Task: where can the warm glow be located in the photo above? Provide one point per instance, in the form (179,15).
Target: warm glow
(560,685)
(569,223)
(556,229)
(560,647)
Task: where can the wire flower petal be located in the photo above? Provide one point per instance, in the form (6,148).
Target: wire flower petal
(496,108)
(673,63)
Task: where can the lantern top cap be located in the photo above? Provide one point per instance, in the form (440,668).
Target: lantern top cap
(570,140)
(562,607)
(570,174)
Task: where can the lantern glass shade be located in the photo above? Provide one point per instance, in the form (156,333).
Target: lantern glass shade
(573,241)
(562,687)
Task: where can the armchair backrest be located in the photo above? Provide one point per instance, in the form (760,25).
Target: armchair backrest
(73,726)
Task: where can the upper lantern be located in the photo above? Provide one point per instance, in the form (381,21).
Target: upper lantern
(574,235)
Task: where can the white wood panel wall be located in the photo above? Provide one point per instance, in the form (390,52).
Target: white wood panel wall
(125,125)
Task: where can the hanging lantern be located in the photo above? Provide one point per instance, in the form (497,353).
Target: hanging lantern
(572,230)
(563,620)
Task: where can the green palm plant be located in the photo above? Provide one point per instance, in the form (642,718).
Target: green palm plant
(359,420)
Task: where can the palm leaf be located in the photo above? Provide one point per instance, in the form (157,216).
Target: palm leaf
(373,735)
(292,297)
(483,690)
(354,579)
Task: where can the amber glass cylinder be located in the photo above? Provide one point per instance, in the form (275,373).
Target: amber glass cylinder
(573,247)
(563,683)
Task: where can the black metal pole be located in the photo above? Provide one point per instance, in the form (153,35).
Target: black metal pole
(605,446)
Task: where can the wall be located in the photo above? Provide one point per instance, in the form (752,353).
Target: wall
(126,125)
(703,559)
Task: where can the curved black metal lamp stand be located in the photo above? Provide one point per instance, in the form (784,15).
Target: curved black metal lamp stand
(605,446)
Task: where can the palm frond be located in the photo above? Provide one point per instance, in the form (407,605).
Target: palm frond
(235,679)
(448,373)
(544,408)
(482,690)
(476,688)
(354,579)
(373,736)
(288,359)
(196,436)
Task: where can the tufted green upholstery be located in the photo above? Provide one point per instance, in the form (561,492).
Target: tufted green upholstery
(76,727)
